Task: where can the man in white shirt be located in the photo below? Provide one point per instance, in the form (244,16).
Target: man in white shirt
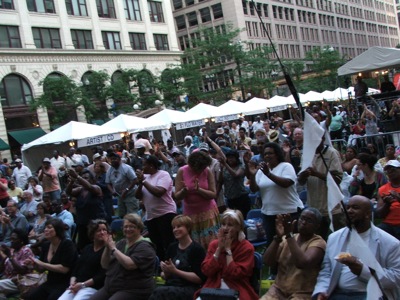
(21,174)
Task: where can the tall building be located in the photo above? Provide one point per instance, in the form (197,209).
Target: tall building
(295,26)
(40,38)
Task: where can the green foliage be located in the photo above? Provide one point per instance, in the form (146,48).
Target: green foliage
(61,96)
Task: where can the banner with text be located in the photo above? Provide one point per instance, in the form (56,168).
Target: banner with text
(189,124)
(100,139)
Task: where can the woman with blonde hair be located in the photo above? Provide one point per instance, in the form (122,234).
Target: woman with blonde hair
(229,262)
(182,267)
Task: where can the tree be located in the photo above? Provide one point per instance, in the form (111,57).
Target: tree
(60,97)
(324,63)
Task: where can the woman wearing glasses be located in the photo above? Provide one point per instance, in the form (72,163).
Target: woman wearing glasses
(298,257)
(129,264)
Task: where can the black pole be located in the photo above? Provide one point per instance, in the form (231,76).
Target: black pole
(288,79)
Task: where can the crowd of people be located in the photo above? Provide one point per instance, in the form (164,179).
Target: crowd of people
(183,207)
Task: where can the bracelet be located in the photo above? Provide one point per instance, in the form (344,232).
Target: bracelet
(215,256)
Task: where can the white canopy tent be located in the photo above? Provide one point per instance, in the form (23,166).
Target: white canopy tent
(313,96)
(230,110)
(375,58)
(58,139)
(371,91)
(256,106)
(195,116)
(131,124)
(167,116)
(277,103)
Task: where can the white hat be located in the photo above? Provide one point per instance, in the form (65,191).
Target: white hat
(393,163)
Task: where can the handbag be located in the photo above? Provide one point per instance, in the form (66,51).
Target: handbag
(220,294)
(30,281)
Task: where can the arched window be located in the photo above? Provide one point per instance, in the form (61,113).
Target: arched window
(15,91)
(115,76)
(86,78)
(145,83)
(52,77)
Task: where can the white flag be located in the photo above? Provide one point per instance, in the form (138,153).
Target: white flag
(359,249)
(313,133)
(334,195)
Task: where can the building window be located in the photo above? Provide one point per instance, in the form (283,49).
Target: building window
(132,10)
(155,11)
(76,7)
(217,11)
(42,6)
(111,40)
(161,41)
(46,38)
(82,39)
(138,41)
(6,4)
(180,22)
(205,15)
(177,4)
(14,91)
(106,9)
(9,37)
(192,19)
(189,2)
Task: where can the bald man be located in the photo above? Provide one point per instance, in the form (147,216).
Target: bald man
(347,278)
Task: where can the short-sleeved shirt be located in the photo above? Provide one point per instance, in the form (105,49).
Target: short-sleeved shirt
(336,123)
(21,257)
(159,206)
(137,281)
(291,279)
(120,178)
(276,199)
(50,184)
(393,217)
(187,260)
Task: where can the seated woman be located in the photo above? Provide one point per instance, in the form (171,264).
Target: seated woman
(37,232)
(229,262)
(350,159)
(182,269)
(298,257)
(88,275)
(58,256)
(14,261)
(367,186)
(129,264)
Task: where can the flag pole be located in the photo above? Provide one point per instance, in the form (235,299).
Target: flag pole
(288,79)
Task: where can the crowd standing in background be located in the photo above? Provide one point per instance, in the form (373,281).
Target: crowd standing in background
(185,201)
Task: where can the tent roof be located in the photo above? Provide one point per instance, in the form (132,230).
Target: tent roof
(200,111)
(375,58)
(167,116)
(230,107)
(70,131)
(256,106)
(126,123)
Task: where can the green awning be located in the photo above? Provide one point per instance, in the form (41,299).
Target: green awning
(27,135)
(3,145)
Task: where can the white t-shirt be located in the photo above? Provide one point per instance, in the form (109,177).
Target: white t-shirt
(275,199)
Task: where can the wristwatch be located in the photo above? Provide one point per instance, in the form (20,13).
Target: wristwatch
(127,189)
(83,285)
(229,252)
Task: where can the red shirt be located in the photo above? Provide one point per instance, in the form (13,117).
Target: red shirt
(393,217)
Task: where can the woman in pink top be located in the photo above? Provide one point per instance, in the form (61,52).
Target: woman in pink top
(155,190)
(195,184)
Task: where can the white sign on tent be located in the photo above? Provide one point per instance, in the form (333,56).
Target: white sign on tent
(99,139)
